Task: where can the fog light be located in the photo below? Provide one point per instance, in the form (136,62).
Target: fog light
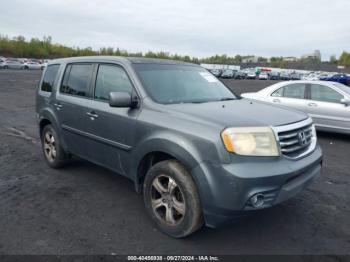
(257,200)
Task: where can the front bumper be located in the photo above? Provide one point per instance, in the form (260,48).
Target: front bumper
(225,190)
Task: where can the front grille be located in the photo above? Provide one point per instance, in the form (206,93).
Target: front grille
(295,142)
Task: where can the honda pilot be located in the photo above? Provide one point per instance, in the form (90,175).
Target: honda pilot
(199,154)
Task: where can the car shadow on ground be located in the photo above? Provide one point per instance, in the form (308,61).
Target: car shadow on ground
(257,226)
(330,135)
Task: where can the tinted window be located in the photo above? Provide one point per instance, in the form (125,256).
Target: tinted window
(324,93)
(49,78)
(76,79)
(181,84)
(111,79)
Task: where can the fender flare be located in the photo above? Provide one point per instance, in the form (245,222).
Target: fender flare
(185,152)
(48,114)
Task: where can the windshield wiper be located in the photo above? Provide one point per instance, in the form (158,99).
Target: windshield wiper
(195,102)
(227,99)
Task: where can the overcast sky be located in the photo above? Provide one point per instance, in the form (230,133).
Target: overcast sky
(196,28)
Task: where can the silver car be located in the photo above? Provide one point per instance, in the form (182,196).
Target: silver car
(13,64)
(33,65)
(328,103)
(2,62)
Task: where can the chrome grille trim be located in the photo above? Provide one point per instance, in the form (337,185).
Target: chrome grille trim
(288,140)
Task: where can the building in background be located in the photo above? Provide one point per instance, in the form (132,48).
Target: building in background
(250,59)
(314,55)
(290,59)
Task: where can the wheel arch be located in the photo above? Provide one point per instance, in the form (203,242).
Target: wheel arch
(47,117)
(157,150)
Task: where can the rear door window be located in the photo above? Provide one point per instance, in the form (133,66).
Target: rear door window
(76,79)
(49,78)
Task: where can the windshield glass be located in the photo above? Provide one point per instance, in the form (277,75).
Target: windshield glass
(170,84)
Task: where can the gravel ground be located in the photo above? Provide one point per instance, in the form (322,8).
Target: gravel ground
(86,209)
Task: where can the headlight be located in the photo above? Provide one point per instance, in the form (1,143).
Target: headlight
(250,141)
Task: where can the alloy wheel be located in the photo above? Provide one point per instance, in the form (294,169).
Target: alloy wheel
(50,146)
(167,199)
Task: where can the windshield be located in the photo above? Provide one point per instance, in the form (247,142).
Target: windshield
(170,84)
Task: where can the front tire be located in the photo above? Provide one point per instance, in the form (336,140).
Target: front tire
(172,200)
(54,154)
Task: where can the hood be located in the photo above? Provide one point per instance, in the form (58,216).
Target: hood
(237,113)
(251,95)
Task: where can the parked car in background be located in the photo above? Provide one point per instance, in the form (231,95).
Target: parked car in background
(284,76)
(216,72)
(240,75)
(324,75)
(2,62)
(33,65)
(310,77)
(44,63)
(228,73)
(197,153)
(328,103)
(13,64)
(340,78)
(263,76)
(294,76)
(274,76)
(251,75)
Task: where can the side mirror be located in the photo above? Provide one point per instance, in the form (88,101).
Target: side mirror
(345,101)
(122,99)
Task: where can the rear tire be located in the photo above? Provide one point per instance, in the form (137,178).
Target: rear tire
(54,154)
(172,200)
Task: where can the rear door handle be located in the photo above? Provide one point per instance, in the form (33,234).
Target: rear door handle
(312,104)
(92,115)
(276,101)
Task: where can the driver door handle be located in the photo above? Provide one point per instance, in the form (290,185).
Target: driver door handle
(276,100)
(312,104)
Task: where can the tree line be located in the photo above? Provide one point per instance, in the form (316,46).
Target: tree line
(45,48)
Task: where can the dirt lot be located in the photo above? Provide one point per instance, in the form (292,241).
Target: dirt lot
(86,209)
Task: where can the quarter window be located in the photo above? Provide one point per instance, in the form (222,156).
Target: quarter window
(49,78)
(325,94)
(111,78)
(76,79)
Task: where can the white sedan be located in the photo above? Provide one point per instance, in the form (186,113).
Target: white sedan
(33,65)
(328,103)
(263,76)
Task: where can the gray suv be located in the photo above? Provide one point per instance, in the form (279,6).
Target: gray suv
(198,153)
